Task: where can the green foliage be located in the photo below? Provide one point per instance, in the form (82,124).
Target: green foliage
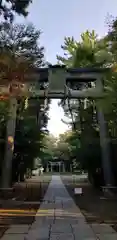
(84,53)
(29,138)
(69,48)
(49,150)
(20,54)
(9,7)
(22,40)
(91,52)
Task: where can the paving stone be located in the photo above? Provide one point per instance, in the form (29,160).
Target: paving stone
(45,219)
(55,228)
(58,201)
(83,226)
(76,222)
(61,236)
(85,238)
(18,229)
(38,234)
(68,214)
(13,237)
(102,228)
(82,231)
(37,238)
(40,225)
(67,205)
(70,220)
(58,205)
(47,206)
(80,235)
(60,219)
(107,236)
(58,212)
(40,228)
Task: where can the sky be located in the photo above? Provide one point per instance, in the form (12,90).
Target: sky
(59,18)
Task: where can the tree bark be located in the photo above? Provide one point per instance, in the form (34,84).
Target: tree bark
(105,147)
(10,132)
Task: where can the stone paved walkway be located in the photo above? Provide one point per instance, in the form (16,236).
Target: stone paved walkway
(59,219)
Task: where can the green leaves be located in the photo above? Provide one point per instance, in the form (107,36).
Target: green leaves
(22,41)
(69,48)
(9,7)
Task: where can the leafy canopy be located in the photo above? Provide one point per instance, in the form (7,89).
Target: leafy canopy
(9,7)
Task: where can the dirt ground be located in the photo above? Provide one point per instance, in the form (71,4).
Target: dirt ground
(24,202)
(95,207)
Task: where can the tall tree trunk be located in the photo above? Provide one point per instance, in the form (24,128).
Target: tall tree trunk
(105,146)
(10,133)
(104,141)
(81,108)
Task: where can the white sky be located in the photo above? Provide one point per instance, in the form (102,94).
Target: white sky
(55,125)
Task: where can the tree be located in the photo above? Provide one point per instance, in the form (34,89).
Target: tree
(50,146)
(9,7)
(18,58)
(82,54)
(66,148)
(3,122)
(22,40)
(29,138)
(90,52)
(111,82)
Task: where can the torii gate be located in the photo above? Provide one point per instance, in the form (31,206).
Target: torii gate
(61,82)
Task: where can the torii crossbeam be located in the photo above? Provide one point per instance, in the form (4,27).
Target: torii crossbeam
(58,82)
